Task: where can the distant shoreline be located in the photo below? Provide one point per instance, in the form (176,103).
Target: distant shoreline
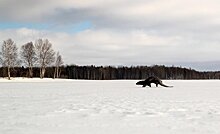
(116,73)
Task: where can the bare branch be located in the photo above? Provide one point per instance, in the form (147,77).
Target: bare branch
(45,54)
(58,63)
(28,56)
(9,55)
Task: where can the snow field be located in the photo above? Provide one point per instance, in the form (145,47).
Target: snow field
(33,106)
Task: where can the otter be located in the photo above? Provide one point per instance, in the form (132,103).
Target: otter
(152,79)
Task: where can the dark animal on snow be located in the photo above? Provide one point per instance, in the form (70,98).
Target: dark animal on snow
(152,79)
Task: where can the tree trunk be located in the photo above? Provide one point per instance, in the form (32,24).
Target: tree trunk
(57,72)
(54,75)
(9,74)
(43,72)
(30,72)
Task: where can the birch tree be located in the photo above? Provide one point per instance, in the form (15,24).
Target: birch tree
(58,63)
(45,55)
(9,55)
(28,56)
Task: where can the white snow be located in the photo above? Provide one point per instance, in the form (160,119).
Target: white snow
(36,106)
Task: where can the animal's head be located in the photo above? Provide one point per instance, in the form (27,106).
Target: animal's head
(140,83)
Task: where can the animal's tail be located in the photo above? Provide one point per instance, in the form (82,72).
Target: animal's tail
(165,85)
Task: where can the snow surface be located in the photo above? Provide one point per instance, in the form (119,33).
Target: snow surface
(35,106)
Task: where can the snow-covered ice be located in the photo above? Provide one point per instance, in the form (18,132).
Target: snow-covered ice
(35,106)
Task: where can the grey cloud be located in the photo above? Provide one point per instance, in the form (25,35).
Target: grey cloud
(124,31)
(174,16)
(113,48)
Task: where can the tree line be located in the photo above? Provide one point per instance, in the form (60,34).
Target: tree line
(113,73)
(135,72)
(39,59)
(31,55)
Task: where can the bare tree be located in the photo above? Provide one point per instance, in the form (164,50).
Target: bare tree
(9,55)
(45,55)
(58,63)
(28,56)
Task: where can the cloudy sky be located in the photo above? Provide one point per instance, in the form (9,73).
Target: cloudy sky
(119,32)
